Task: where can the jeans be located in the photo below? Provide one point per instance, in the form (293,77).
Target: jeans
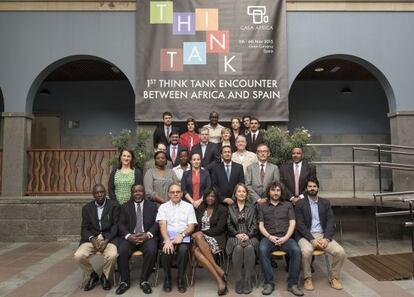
(291,248)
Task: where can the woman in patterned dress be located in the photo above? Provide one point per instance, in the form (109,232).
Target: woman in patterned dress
(210,237)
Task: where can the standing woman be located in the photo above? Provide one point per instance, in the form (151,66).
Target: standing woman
(195,182)
(225,139)
(190,138)
(158,179)
(235,131)
(210,237)
(242,241)
(124,177)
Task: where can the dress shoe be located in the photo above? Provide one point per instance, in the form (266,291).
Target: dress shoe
(93,279)
(335,283)
(123,287)
(308,284)
(222,292)
(238,287)
(145,287)
(268,289)
(295,290)
(106,284)
(247,287)
(182,288)
(167,285)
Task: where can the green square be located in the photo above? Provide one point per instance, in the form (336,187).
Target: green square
(161,12)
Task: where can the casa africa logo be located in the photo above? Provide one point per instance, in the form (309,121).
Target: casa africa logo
(258,14)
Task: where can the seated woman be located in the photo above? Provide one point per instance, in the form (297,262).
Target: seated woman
(124,177)
(195,181)
(242,241)
(158,179)
(210,237)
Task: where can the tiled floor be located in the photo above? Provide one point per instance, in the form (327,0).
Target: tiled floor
(47,269)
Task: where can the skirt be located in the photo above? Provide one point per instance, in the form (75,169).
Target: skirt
(233,241)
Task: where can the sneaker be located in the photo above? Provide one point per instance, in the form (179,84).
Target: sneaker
(268,289)
(335,283)
(308,284)
(295,290)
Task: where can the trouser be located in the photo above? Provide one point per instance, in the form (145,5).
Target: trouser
(149,248)
(243,256)
(291,247)
(181,252)
(86,250)
(333,248)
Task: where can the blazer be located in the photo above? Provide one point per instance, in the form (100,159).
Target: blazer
(304,218)
(257,188)
(218,223)
(139,180)
(109,221)
(211,156)
(219,179)
(159,134)
(187,182)
(177,159)
(287,177)
(128,218)
(232,220)
(253,146)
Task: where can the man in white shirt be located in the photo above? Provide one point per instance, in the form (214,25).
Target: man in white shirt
(243,156)
(177,221)
(214,128)
(184,164)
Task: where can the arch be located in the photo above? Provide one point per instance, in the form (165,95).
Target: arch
(1,101)
(379,75)
(55,65)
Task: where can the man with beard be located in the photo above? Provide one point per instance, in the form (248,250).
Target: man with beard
(277,225)
(138,230)
(315,229)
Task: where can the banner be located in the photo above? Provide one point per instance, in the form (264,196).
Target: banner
(196,56)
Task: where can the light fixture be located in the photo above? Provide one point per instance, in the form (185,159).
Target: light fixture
(44,92)
(115,69)
(335,69)
(319,69)
(346,91)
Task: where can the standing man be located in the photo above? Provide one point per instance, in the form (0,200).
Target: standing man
(315,231)
(207,150)
(277,225)
(177,221)
(98,233)
(159,147)
(260,175)
(183,166)
(174,149)
(162,132)
(295,174)
(226,175)
(255,136)
(243,156)
(214,128)
(246,124)
(138,230)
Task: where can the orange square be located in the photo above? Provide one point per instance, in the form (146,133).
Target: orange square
(206,19)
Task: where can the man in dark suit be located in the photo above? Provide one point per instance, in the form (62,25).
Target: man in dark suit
(207,150)
(98,233)
(255,136)
(315,228)
(295,174)
(138,230)
(162,132)
(174,149)
(226,175)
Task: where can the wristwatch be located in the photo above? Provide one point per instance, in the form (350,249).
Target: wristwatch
(182,234)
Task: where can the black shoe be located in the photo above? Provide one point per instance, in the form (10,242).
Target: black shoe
(145,287)
(247,287)
(93,279)
(222,292)
(268,289)
(106,284)
(239,287)
(167,285)
(182,288)
(123,287)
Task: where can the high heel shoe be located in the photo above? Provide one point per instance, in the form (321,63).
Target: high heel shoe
(222,292)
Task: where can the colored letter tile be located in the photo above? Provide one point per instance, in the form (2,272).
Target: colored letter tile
(161,12)
(194,53)
(231,64)
(206,19)
(217,41)
(171,59)
(184,23)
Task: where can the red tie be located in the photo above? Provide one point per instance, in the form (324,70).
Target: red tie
(174,154)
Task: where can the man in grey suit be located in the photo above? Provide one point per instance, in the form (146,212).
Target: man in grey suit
(261,174)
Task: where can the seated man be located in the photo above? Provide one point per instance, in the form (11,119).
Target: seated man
(98,232)
(277,225)
(315,231)
(138,230)
(177,220)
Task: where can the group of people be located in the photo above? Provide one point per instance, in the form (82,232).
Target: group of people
(202,198)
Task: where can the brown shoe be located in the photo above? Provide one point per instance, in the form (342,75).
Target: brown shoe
(335,283)
(308,284)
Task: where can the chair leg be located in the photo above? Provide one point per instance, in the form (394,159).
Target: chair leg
(157,269)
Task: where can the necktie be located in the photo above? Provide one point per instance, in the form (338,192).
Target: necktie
(138,226)
(297,179)
(174,153)
(254,138)
(228,172)
(262,172)
(168,133)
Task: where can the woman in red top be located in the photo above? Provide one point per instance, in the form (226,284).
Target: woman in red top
(189,138)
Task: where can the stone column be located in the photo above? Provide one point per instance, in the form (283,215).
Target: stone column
(402,133)
(17,133)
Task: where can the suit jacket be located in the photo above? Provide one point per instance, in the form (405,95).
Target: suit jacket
(251,220)
(139,180)
(253,146)
(219,178)
(287,177)
(177,159)
(159,134)
(187,182)
(257,188)
(218,223)
(304,218)
(128,218)
(109,221)
(211,156)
